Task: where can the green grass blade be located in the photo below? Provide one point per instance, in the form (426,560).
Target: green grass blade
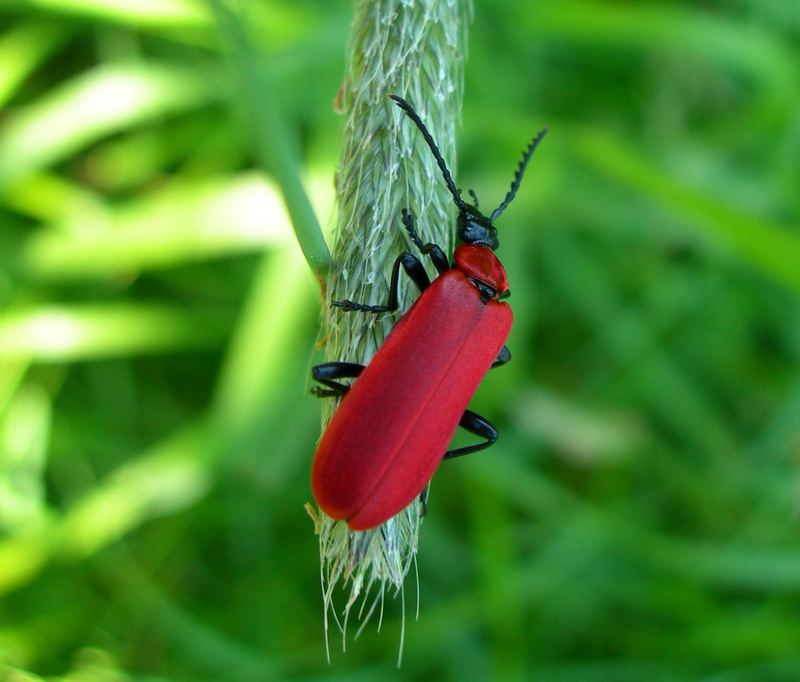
(89,331)
(95,104)
(765,246)
(275,142)
(183,222)
(143,13)
(22,49)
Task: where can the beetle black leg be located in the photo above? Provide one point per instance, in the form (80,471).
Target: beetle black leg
(480,426)
(474,198)
(413,269)
(326,374)
(502,357)
(433,251)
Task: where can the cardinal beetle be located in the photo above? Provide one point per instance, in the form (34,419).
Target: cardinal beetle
(397,418)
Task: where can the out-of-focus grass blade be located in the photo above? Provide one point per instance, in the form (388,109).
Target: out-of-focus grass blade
(85,332)
(688,33)
(24,436)
(775,443)
(22,556)
(730,565)
(143,13)
(210,650)
(183,20)
(275,142)
(11,374)
(277,303)
(174,474)
(51,197)
(580,435)
(170,476)
(184,222)
(91,106)
(15,674)
(22,48)
(783,15)
(772,250)
(658,381)
(490,522)
(202,146)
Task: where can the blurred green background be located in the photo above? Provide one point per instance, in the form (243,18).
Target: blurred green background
(638,517)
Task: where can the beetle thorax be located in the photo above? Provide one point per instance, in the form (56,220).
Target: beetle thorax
(479,263)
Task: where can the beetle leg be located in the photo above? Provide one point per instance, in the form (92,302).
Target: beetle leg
(480,426)
(433,251)
(502,357)
(327,372)
(413,269)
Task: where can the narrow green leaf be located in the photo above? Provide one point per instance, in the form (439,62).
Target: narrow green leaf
(24,437)
(183,222)
(264,335)
(91,331)
(95,104)
(769,248)
(275,142)
(22,49)
(144,13)
(687,32)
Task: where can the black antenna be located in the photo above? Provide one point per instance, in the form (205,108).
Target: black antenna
(526,156)
(414,116)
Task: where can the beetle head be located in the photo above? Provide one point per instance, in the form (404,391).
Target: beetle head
(473,226)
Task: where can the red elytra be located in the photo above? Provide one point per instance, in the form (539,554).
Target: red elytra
(394,425)
(398,417)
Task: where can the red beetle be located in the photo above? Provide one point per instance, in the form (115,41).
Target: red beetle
(397,418)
